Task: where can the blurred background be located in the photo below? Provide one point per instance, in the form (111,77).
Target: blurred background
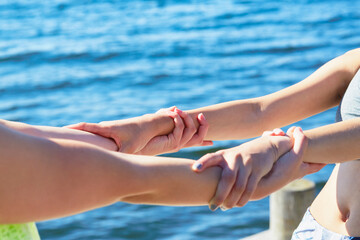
(63,62)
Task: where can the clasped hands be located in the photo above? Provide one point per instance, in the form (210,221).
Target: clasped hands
(251,171)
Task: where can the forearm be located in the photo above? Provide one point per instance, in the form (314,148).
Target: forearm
(334,143)
(249,118)
(172,182)
(270,184)
(60,133)
(229,120)
(47,179)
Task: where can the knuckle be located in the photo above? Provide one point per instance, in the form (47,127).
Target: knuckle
(175,145)
(192,129)
(181,124)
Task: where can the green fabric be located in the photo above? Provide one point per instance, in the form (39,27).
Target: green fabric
(26,231)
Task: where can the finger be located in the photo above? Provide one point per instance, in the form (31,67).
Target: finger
(92,128)
(238,189)
(290,131)
(249,191)
(310,168)
(208,160)
(177,133)
(171,108)
(198,138)
(281,145)
(73,126)
(267,133)
(206,143)
(189,129)
(297,149)
(278,132)
(299,140)
(168,112)
(224,187)
(166,109)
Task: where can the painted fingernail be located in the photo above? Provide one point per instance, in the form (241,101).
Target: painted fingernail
(223,208)
(197,166)
(213,207)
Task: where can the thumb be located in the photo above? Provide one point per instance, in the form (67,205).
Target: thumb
(310,168)
(209,160)
(281,144)
(299,141)
(92,128)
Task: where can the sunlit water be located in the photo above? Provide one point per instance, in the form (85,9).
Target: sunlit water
(62,62)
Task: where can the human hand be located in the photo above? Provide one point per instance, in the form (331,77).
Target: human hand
(184,134)
(289,167)
(141,135)
(243,167)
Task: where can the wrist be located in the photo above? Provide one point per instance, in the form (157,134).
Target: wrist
(156,124)
(279,145)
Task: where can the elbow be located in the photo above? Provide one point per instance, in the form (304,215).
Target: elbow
(352,62)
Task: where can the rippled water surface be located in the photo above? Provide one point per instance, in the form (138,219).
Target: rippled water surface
(66,61)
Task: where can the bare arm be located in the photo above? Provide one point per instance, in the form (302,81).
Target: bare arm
(334,143)
(250,117)
(60,133)
(47,178)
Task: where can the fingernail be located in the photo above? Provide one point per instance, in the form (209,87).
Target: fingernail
(178,110)
(213,207)
(223,208)
(197,166)
(297,131)
(202,116)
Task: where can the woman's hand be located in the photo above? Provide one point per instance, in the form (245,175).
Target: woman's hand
(184,134)
(243,168)
(289,167)
(142,135)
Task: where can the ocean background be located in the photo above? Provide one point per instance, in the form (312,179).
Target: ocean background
(63,62)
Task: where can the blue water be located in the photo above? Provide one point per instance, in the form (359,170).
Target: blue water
(65,61)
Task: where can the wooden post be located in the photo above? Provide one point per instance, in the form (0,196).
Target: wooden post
(287,207)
